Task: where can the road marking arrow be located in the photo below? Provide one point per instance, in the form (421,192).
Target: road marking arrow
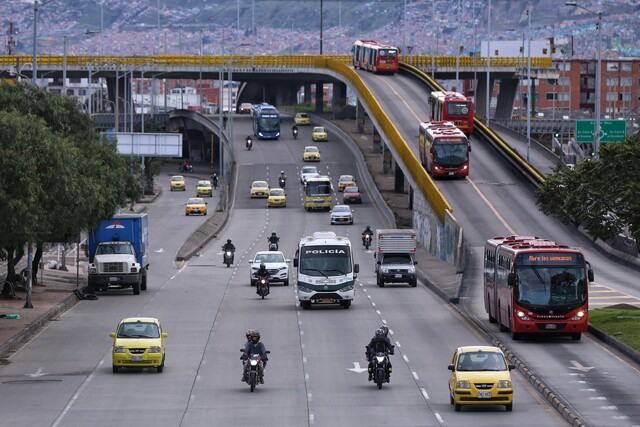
(578,367)
(159,251)
(356,368)
(37,373)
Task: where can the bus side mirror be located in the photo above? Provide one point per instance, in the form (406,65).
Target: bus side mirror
(469,147)
(590,275)
(356,268)
(295,262)
(511,279)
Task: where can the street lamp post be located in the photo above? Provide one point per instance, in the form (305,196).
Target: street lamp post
(596,142)
(488,100)
(64,57)
(36,8)
(529,84)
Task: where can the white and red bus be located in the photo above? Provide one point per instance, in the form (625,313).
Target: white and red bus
(453,107)
(375,57)
(444,149)
(536,286)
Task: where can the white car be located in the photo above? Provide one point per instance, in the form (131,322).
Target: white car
(341,214)
(275,263)
(308,172)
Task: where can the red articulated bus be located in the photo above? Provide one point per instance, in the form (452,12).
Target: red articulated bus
(453,107)
(444,149)
(375,57)
(536,286)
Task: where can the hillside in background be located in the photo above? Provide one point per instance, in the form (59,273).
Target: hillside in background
(432,26)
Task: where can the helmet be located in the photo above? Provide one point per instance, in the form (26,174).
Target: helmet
(255,336)
(262,266)
(248,334)
(368,227)
(281,172)
(228,240)
(273,233)
(385,329)
(379,333)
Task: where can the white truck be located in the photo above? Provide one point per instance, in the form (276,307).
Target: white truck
(395,256)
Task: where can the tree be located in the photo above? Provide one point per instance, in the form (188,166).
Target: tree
(601,195)
(57,175)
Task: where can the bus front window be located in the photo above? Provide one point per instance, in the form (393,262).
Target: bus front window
(555,286)
(451,155)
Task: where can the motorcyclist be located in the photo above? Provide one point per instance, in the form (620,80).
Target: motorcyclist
(254,346)
(248,140)
(186,166)
(294,130)
(282,176)
(273,239)
(379,343)
(214,181)
(229,247)
(366,231)
(263,273)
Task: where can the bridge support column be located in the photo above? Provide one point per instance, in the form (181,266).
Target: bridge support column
(339,94)
(398,184)
(481,95)
(506,98)
(319,97)
(307,93)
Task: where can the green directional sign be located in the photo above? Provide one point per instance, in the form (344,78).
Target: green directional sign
(610,131)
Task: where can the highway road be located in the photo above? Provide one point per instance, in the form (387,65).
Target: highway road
(315,375)
(598,384)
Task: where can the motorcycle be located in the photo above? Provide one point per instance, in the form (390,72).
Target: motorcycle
(262,287)
(366,240)
(186,168)
(253,373)
(227,257)
(295,133)
(380,367)
(249,143)
(273,246)
(282,181)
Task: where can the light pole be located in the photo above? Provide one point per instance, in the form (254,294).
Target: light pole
(529,84)
(489,87)
(36,7)
(596,130)
(64,57)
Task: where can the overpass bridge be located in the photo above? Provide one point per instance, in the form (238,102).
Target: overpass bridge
(277,79)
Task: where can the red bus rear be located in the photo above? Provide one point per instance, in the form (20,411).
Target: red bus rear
(444,150)
(375,57)
(453,107)
(536,286)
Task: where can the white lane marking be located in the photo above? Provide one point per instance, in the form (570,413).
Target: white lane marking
(311,418)
(415,375)
(356,368)
(406,359)
(424,393)
(597,398)
(378,311)
(587,389)
(75,396)
(609,408)
(398,344)
(373,303)
(306,378)
(438,417)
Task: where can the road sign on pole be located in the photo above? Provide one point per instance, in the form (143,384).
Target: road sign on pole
(610,131)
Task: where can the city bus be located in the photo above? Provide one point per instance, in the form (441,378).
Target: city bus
(536,286)
(375,57)
(318,192)
(266,121)
(326,272)
(444,149)
(452,107)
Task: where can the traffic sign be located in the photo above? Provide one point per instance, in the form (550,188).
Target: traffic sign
(610,131)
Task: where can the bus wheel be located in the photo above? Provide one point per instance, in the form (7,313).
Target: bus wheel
(576,336)
(514,335)
(491,318)
(502,327)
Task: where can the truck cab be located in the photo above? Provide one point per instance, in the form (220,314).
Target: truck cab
(395,257)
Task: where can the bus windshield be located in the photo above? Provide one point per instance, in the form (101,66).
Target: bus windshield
(458,109)
(269,124)
(551,286)
(450,154)
(318,188)
(388,53)
(325,261)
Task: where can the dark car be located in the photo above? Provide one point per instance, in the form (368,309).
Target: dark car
(351,195)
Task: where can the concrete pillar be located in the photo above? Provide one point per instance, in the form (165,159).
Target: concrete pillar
(307,93)
(339,94)
(398,183)
(319,97)
(506,98)
(481,97)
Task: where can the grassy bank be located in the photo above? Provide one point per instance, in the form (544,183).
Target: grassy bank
(622,323)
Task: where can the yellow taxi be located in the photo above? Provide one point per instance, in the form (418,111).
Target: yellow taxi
(480,376)
(311,154)
(302,119)
(346,181)
(259,189)
(195,205)
(204,188)
(277,197)
(177,183)
(319,133)
(138,343)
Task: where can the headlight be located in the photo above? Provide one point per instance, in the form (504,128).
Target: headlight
(385,270)
(134,269)
(463,384)
(522,315)
(119,349)
(504,384)
(93,269)
(347,289)
(253,362)
(579,315)
(303,289)
(411,270)
(155,349)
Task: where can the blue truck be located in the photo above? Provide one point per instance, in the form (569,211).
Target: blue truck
(118,254)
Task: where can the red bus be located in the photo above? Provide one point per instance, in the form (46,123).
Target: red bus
(375,57)
(453,107)
(534,285)
(444,149)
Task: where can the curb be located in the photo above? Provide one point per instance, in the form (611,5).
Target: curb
(33,328)
(612,341)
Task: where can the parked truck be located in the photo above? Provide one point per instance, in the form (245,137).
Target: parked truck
(395,256)
(118,254)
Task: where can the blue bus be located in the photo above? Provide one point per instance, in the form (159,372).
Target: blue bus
(266,121)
